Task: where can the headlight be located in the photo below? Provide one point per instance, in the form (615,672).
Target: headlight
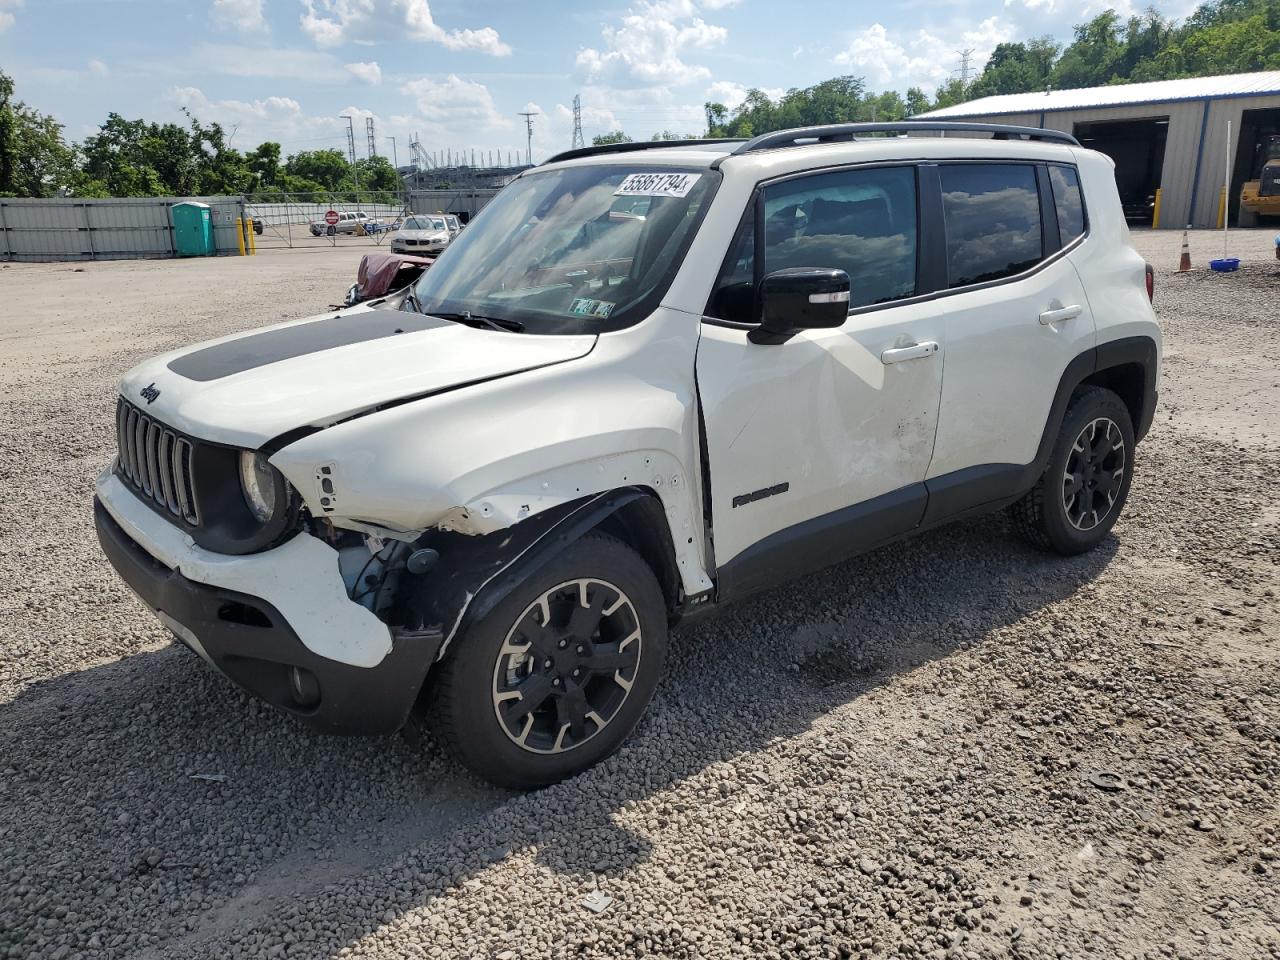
(258,482)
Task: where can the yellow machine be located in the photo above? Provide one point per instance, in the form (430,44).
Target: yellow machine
(1261,197)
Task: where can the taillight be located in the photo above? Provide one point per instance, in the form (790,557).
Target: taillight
(1151,283)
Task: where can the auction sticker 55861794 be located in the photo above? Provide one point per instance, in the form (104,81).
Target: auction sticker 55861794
(657,184)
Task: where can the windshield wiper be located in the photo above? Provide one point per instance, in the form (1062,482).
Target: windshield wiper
(412,300)
(470,319)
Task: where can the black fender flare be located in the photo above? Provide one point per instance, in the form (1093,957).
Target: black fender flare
(476,573)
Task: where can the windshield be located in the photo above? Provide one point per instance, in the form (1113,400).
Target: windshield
(576,250)
(423,223)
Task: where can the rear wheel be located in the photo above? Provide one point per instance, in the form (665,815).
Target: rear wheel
(332,231)
(555,677)
(1081,493)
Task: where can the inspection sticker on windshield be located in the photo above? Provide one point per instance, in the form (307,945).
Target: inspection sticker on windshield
(657,184)
(586,307)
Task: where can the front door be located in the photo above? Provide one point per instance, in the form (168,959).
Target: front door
(818,447)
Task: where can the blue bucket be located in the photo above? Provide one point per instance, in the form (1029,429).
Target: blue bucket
(1225,265)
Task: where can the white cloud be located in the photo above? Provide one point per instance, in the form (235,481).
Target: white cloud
(6,18)
(456,103)
(243,15)
(370,73)
(332,23)
(417,17)
(649,46)
(98,68)
(924,60)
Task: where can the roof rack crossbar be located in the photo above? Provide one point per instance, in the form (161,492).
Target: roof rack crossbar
(644,145)
(844,132)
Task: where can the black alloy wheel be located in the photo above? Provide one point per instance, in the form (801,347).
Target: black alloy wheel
(1080,495)
(557,674)
(567,666)
(1095,474)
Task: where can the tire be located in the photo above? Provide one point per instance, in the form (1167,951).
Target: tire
(1095,445)
(478,701)
(332,231)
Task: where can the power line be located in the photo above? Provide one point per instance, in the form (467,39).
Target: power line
(528,121)
(578,140)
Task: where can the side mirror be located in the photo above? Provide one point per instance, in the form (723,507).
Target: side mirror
(800,298)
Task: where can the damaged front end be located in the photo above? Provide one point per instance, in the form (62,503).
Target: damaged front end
(429,587)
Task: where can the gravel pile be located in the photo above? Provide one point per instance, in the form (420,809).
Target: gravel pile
(956,747)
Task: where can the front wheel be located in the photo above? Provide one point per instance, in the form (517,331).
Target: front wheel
(1079,497)
(555,677)
(332,231)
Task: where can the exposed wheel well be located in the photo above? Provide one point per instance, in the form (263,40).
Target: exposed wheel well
(642,525)
(1127,381)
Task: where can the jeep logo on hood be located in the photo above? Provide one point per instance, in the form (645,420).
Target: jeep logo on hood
(149,393)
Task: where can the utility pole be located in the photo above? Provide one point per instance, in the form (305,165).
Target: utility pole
(395,156)
(351,138)
(373,137)
(351,148)
(966,70)
(578,141)
(528,122)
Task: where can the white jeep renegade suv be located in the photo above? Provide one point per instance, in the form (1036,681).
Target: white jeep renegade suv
(647,380)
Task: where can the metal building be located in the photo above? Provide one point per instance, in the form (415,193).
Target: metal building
(1169,136)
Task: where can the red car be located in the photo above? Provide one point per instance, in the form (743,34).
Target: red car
(383,273)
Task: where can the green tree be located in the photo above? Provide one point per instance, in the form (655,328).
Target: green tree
(377,173)
(34,159)
(1017,68)
(604,139)
(917,101)
(329,167)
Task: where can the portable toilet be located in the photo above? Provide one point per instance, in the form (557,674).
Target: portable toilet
(193,229)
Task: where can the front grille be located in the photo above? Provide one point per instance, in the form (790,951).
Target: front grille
(156,461)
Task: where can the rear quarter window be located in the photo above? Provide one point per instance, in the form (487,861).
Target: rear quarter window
(1068,202)
(992,218)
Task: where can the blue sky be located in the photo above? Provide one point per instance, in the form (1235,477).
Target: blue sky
(457,73)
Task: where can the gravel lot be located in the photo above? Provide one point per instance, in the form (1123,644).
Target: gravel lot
(894,758)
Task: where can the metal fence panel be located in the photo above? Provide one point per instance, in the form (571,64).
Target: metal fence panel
(68,228)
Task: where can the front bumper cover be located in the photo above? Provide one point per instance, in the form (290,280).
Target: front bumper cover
(247,639)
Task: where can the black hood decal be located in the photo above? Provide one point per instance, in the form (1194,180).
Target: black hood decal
(272,346)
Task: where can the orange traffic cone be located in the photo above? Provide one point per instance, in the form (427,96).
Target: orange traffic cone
(1184,264)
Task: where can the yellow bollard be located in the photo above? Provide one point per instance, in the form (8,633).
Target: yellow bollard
(240,234)
(1155,214)
(1222,207)
(249,232)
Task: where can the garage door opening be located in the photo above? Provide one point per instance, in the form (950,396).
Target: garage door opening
(1258,148)
(1137,147)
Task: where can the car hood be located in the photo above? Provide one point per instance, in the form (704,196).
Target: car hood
(423,234)
(248,389)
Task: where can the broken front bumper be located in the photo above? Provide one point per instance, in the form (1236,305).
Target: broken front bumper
(276,623)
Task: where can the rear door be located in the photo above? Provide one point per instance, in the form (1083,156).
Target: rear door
(817,447)
(1016,315)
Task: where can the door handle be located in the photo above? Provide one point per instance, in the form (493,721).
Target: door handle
(1064,313)
(913,352)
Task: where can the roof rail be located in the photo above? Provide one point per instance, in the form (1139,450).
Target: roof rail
(845,132)
(629,147)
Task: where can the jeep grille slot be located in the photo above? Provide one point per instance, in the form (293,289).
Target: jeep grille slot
(156,461)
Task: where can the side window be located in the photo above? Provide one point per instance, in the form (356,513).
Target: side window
(1067,200)
(860,221)
(992,218)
